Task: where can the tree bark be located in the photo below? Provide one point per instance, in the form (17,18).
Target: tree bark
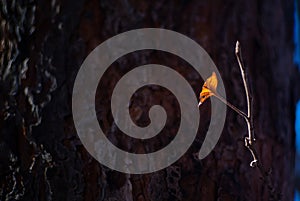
(43,44)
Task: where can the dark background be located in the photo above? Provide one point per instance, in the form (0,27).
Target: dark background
(43,44)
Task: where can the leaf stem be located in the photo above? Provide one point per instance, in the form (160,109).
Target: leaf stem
(230,105)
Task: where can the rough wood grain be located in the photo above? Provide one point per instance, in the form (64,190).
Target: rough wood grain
(43,44)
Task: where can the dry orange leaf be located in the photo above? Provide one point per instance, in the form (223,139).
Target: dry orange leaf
(209,88)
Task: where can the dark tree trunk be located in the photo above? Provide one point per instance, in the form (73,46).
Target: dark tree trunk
(43,44)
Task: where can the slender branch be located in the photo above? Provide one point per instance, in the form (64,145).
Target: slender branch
(238,54)
(249,141)
(230,105)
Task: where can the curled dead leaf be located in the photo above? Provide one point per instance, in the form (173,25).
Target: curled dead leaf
(209,88)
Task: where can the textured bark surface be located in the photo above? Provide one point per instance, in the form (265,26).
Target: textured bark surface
(43,44)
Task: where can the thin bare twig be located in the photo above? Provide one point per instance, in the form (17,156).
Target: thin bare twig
(249,141)
(230,105)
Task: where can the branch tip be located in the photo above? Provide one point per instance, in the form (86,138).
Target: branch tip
(237,47)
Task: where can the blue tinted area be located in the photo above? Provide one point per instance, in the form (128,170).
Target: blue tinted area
(297,196)
(297,128)
(297,121)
